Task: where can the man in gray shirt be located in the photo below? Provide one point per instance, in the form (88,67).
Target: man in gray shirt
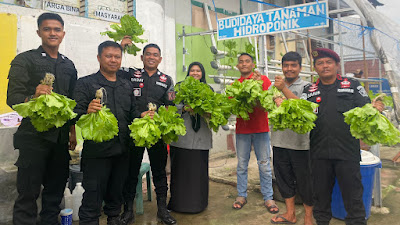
(291,150)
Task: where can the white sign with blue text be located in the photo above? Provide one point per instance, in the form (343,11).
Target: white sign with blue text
(298,17)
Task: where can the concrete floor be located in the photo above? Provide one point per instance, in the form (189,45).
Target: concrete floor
(223,193)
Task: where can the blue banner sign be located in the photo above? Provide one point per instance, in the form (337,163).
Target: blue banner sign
(298,17)
(375,86)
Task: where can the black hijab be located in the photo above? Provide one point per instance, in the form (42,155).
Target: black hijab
(196,118)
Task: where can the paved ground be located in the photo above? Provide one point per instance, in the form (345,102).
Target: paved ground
(223,192)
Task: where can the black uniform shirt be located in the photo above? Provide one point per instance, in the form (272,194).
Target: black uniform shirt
(331,137)
(157,89)
(27,69)
(118,97)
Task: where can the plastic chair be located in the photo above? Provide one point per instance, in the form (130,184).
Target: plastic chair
(144,169)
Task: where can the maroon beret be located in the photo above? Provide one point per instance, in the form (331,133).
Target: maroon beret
(324,52)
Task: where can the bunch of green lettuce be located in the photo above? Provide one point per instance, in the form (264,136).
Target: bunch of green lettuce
(47,111)
(245,96)
(369,125)
(267,98)
(145,132)
(129,27)
(214,107)
(295,114)
(170,123)
(99,126)
(387,100)
(166,124)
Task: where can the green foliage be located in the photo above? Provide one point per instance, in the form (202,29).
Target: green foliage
(387,100)
(267,98)
(232,52)
(99,126)
(250,49)
(368,124)
(170,123)
(294,114)
(166,124)
(129,27)
(244,96)
(47,111)
(214,107)
(145,132)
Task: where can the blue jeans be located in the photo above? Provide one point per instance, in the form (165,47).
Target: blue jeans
(261,144)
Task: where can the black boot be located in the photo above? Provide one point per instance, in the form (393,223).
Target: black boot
(114,220)
(163,214)
(128,216)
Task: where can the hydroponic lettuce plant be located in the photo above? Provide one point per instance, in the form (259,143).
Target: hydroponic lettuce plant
(129,27)
(294,114)
(99,126)
(47,111)
(247,94)
(166,124)
(369,125)
(215,108)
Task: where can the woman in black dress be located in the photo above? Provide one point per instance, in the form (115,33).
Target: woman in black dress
(189,158)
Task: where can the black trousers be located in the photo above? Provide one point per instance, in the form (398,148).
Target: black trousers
(103,180)
(189,180)
(158,160)
(292,170)
(349,180)
(40,163)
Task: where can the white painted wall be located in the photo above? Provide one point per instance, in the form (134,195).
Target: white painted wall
(83,35)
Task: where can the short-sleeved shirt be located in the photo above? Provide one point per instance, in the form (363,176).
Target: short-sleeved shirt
(287,138)
(258,122)
(331,137)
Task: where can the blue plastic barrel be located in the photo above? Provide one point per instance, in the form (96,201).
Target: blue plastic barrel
(368,164)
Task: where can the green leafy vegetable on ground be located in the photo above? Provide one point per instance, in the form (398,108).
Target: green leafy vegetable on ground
(295,114)
(166,124)
(129,27)
(99,126)
(214,107)
(47,111)
(369,125)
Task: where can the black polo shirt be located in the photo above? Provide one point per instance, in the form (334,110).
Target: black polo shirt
(331,137)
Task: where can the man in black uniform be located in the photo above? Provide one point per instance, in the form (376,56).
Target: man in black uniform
(105,164)
(150,85)
(334,151)
(43,156)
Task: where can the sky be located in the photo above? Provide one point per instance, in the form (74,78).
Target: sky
(390,9)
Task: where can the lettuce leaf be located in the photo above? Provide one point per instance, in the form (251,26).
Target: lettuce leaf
(166,124)
(99,126)
(145,132)
(368,124)
(246,95)
(170,123)
(47,111)
(214,107)
(129,27)
(295,114)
